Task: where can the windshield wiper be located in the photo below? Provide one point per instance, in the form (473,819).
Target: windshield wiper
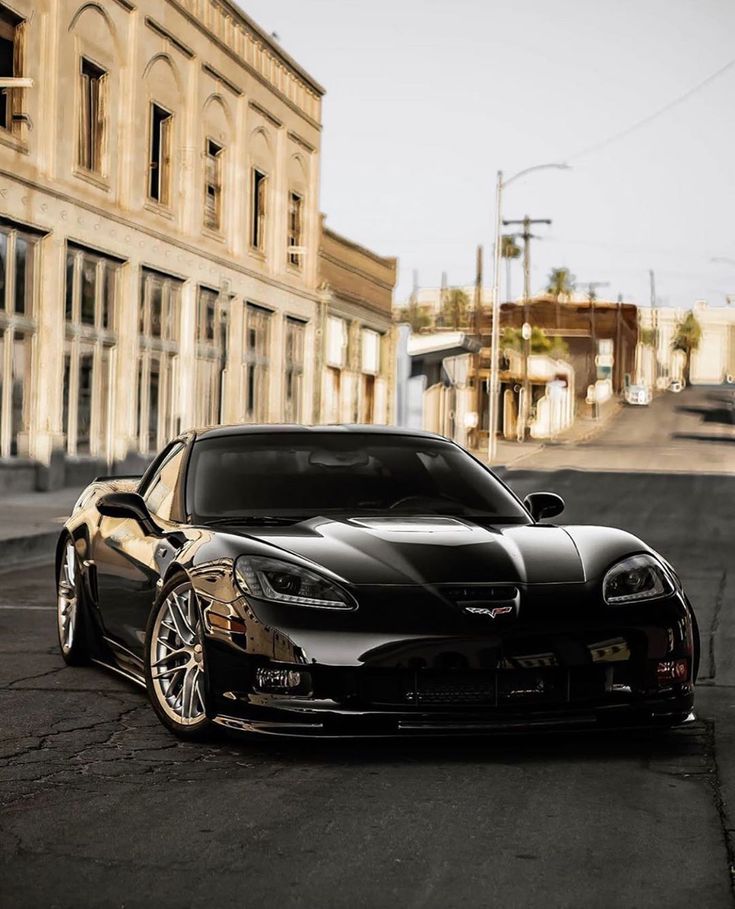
(255,520)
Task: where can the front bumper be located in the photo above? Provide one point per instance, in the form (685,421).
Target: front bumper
(348,701)
(581,670)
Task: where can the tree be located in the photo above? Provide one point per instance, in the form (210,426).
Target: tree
(540,342)
(509,250)
(455,309)
(686,338)
(560,285)
(416,316)
(647,337)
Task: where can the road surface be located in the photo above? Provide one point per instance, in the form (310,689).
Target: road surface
(102,807)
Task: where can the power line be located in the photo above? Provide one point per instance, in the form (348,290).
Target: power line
(639,124)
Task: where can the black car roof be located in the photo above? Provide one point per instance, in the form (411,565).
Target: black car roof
(237,429)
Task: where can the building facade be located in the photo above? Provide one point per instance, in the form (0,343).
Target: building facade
(159,227)
(713,362)
(357,354)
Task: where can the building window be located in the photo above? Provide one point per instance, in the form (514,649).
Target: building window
(213,185)
(256,351)
(211,356)
(159,166)
(16,332)
(158,361)
(295,210)
(294,359)
(89,352)
(92,116)
(11,65)
(258,210)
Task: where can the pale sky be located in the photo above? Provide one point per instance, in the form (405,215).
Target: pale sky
(426,100)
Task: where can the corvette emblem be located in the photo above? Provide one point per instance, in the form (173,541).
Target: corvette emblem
(490,613)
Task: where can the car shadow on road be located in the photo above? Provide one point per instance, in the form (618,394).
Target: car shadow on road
(724,415)
(701,437)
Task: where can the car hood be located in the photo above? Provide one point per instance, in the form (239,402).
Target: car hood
(431,550)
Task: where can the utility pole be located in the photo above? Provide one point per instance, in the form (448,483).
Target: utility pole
(654,325)
(478,335)
(620,374)
(525,233)
(591,297)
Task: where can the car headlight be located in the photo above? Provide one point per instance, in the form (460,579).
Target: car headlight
(640,577)
(285,582)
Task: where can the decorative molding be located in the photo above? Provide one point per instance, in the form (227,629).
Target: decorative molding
(265,113)
(126,5)
(182,246)
(165,33)
(229,29)
(295,137)
(216,74)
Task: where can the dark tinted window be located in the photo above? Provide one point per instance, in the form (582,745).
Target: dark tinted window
(310,474)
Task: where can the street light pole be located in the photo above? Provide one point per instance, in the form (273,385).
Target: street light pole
(494,382)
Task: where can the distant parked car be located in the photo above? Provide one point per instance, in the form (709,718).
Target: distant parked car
(638,394)
(676,386)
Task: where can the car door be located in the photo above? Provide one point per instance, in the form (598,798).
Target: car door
(129,559)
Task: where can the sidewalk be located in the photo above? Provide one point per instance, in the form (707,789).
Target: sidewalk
(512,454)
(30,523)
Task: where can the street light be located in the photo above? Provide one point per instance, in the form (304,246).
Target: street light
(494,388)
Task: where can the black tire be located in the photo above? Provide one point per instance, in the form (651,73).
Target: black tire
(177,685)
(71,612)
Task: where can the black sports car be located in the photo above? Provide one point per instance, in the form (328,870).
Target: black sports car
(360,581)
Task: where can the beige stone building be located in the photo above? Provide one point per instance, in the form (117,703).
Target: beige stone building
(159,228)
(356,357)
(712,363)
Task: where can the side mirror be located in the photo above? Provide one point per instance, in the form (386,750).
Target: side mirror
(544,504)
(128,505)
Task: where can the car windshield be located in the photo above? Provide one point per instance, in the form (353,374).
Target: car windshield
(307,474)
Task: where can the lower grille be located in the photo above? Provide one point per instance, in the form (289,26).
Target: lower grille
(504,687)
(453,688)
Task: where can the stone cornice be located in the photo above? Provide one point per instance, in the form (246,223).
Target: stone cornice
(353,269)
(247,44)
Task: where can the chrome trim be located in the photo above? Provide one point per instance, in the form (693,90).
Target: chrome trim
(233,722)
(126,675)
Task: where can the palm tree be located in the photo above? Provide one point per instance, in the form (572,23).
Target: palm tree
(686,338)
(455,308)
(560,285)
(509,250)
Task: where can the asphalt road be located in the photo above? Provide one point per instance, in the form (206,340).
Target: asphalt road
(101,807)
(693,431)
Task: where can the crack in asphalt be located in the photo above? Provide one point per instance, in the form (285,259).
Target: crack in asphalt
(719,801)
(39,675)
(715,624)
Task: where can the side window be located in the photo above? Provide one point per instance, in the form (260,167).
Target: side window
(159,494)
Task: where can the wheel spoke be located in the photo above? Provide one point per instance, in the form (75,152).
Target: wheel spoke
(168,673)
(199,686)
(183,651)
(187,691)
(180,620)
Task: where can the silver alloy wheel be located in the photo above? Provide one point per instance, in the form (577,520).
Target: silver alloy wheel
(177,657)
(66,603)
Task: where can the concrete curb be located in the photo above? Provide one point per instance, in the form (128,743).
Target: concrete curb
(33,549)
